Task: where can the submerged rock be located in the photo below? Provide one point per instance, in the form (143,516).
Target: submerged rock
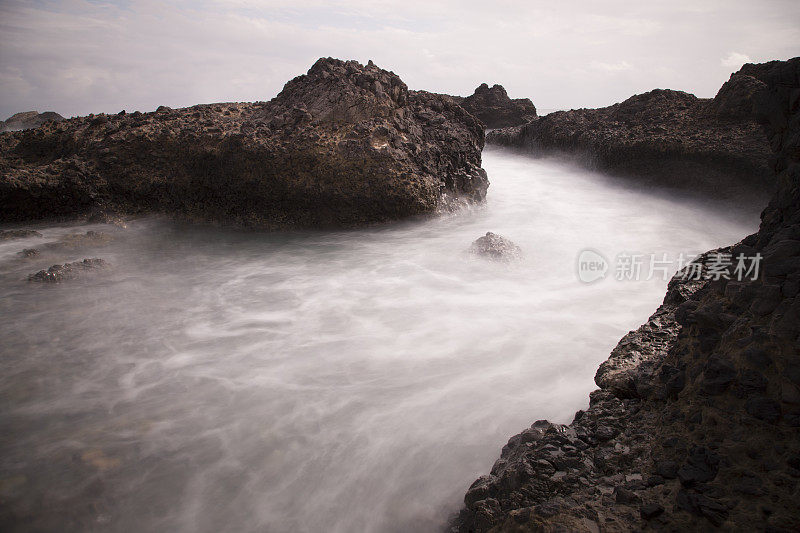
(696,424)
(663,138)
(496,110)
(343,145)
(18,234)
(495,247)
(67,271)
(80,240)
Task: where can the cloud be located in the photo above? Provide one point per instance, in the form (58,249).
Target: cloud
(612,67)
(84,56)
(735,61)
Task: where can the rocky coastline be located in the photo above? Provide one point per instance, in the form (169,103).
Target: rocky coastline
(696,424)
(343,145)
(663,138)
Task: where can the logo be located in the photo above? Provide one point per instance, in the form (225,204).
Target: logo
(592,266)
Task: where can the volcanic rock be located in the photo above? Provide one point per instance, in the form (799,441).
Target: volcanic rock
(495,247)
(343,145)
(496,110)
(68,271)
(695,397)
(663,138)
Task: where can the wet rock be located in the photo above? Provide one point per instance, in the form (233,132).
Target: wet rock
(29,252)
(68,271)
(18,234)
(343,145)
(495,247)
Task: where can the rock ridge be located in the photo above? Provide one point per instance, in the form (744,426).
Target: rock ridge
(343,145)
(696,424)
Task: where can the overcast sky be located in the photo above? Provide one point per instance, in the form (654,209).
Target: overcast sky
(82,56)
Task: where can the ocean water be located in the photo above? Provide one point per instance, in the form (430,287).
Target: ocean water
(220,380)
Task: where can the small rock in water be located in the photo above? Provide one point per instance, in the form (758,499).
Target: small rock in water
(29,252)
(495,247)
(18,234)
(59,273)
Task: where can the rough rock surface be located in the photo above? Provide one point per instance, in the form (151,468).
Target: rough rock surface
(495,247)
(29,119)
(665,138)
(67,271)
(697,421)
(495,109)
(343,145)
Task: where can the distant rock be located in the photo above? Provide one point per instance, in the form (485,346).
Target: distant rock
(18,234)
(29,119)
(662,138)
(343,145)
(496,110)
(495,247)
(68,271)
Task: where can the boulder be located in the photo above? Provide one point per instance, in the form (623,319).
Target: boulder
(343,145)
(495,247)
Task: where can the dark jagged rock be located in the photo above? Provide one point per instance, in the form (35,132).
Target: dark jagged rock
(67,271)
(495,247)
(18,234)
(343,145)
(698,413)
(29,119)
(663,138)
(495,109)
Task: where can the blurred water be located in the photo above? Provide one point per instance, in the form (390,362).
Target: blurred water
(347,381)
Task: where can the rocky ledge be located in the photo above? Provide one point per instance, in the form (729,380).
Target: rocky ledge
(666,138)
(343,145)
(696,424)
(495,109)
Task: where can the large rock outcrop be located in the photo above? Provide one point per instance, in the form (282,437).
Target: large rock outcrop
(343,145)
(495,109)
(29,119)
(697,421)
(664,138)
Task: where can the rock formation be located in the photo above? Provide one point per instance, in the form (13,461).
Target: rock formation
(343,145)
(29,119)
(495,109)
(664,138)
(67,271)
(697,421)
(495,247)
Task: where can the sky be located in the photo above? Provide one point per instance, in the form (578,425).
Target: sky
(77,57)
